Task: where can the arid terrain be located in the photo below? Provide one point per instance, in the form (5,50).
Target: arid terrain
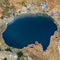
(34,51)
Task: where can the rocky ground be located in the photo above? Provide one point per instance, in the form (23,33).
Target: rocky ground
(34,51)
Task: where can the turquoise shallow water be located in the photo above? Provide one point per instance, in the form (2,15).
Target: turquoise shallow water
(28,29)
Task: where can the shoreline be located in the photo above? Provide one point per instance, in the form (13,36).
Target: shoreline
(36,10)
(21,17)
(32,51)
(2,42)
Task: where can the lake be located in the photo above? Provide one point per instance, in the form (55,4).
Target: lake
(26,29)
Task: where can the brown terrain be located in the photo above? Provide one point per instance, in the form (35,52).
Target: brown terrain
(52,6)
(35,51)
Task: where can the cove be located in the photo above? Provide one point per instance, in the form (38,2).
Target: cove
(27,29)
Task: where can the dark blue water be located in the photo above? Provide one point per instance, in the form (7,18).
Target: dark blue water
(28,29)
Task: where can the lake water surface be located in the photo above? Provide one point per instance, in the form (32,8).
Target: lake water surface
(28,29)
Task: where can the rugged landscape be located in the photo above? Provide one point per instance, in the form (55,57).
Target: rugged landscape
(12,8)
(35,51)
